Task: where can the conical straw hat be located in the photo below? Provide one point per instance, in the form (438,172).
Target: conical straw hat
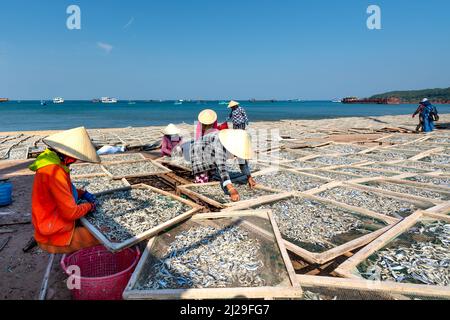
(171,129)
(74,143)
(237,142)
(207,117)
(233,104)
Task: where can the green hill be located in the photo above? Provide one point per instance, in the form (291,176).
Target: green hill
(414,96)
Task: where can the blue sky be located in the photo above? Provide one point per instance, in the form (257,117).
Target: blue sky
(205,49)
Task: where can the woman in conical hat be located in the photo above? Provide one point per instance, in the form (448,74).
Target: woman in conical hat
(55,208)
(170,140)
(207,123)
(212,152)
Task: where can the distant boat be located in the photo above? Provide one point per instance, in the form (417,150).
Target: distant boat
(131,102)
(336,101)
(43,103)
(58,100)
(95,100)
(109,100)
(178,102)
(223,102)
(4,99)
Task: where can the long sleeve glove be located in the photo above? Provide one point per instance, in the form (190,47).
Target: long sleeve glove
(89,197)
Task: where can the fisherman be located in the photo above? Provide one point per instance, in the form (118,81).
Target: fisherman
(55,209)
(207,123)
(427,115)
(237,116)
(170,140)
(212,152)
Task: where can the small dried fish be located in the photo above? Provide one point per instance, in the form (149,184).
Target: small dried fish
(410,190)
(133,168)
(215,192)
(97,184)
(437,159)
(367,199)
(85,169)
(316,226)
(364,172)
(437,180)
(121,157)
(421,256)
(124,214)
(289,181)
(207,257)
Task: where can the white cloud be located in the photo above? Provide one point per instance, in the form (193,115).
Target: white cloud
(129,23)
(105,46)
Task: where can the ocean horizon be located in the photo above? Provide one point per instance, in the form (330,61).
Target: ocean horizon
(29,115)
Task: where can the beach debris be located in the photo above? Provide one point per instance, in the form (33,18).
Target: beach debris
(289,181)
(437,180)
(409,190)
(96,184)
(85,169)
(420,256)
(125,214)
(370,200)
(215,192)
(316,226)
(137,168)
(208,257)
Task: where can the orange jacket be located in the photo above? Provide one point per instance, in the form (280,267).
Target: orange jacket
(54,210)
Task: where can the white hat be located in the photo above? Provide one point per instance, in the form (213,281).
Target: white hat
(171,129)
(207,117)
(74,143)
(237,142)
(233,104)
(425,100)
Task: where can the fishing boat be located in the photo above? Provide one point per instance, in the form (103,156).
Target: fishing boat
(336,101)
(58,100)
(131,102)
(109,100)
(178,102)
(4,99)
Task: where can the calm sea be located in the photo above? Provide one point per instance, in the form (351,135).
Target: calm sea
(30,115)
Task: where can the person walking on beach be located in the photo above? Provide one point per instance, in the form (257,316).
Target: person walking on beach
(427,115)
(212,152)
(55,209)
(170,140)
(237,116)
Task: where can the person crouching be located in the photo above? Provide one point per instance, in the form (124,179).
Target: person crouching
(170,140)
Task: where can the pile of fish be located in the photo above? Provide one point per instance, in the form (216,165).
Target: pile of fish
(121,157)
(410,190)
(96,184)
(421,256)
(207,257)
(289,155)
(124,214)
(385,155)
(334,161)
(85,169)
(437,180)
(289,181)
(18,154)
(428,166)
(215,192)
(317,227)
(364,172)
(333,175)
(398,168)
(132,168)
(340,148)
(300,164)
(372,201)
(178,161)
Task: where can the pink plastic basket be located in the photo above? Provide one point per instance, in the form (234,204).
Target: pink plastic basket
(104,275)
